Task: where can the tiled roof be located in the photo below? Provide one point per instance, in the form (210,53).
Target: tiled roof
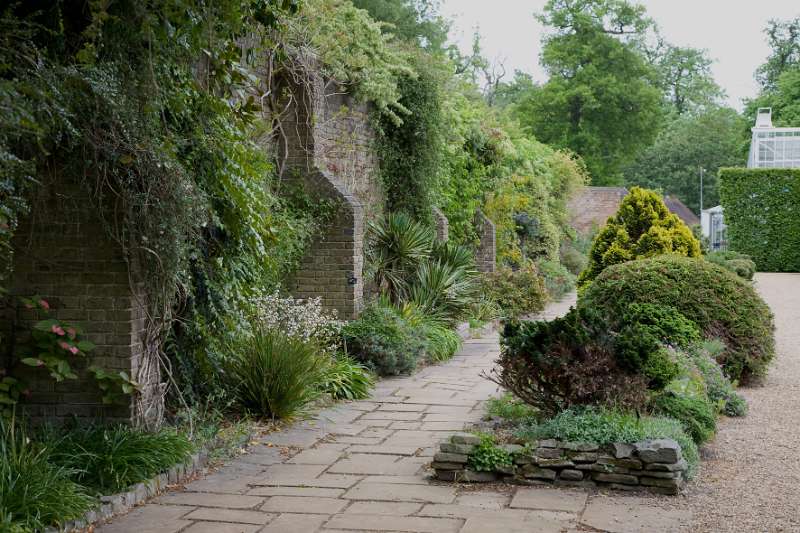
(679,208)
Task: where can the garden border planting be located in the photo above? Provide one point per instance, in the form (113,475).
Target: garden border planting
(120,503)
(655,465)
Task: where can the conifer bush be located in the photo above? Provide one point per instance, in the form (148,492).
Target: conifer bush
(643,227)
(720,303)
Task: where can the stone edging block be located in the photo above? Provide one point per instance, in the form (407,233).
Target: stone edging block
(655,465)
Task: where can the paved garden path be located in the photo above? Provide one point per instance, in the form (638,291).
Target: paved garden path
(361,466)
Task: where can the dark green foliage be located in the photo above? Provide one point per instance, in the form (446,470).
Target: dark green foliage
(344,379)
(409,267)
(35,493)
(516,292)
(606,426)
(719,388)
(720,303)
(557,279)
(740,264)
(762,216)
(383,340)
(272,375)
(487,456)
(414,20)
(712,139)
(697,414)
(568,361)
(396,246)
(107,460)
(643,330)
(410,152)
(601,99)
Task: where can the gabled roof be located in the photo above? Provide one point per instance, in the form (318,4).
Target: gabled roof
(679,208)
(591,207)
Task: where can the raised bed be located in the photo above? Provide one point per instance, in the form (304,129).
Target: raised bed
(653,465)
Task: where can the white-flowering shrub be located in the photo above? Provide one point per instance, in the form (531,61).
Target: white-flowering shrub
(300,319)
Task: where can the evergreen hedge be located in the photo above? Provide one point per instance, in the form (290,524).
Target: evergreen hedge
(762,215)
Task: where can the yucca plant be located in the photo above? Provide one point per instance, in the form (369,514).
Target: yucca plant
(273,375)
(396,246)
(442,290)
(34,493)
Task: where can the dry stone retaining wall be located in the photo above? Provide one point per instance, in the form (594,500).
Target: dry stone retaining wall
(653,465)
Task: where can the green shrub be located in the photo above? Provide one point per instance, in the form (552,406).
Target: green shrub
(568,361)
(739,264)
(642,227)
(762,216)
(557,279)
(487,456)
(696,413)
(383,340)
(509,408)
(719,388)
(606,426)
(34,492)
(643,331)
(721,304)
(345,379)
(272,375)
(572,259)
(516,292)
(109,459)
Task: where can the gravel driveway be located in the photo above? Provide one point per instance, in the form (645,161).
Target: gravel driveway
(750,477)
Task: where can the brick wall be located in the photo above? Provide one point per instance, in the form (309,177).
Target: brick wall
(327,143)
(63,254)
(441,224)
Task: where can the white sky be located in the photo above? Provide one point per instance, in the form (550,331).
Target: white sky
(731,30)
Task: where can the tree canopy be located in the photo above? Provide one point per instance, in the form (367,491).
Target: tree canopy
(708,140)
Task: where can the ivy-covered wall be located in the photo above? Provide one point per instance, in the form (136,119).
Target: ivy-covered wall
(762,212)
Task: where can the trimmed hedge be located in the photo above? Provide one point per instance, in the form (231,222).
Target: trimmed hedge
(722,305)
(762,215)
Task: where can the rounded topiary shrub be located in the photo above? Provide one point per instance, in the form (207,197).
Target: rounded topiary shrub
(719,302)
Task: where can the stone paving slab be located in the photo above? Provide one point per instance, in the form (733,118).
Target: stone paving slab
(362,466)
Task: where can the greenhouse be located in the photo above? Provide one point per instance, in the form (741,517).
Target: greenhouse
(773,147)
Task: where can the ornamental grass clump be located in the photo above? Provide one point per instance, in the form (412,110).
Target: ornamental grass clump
(35,493)
(643,227)
(273,375)
(109,459)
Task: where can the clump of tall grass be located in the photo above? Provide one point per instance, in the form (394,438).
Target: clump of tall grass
(34,492)
(109,459)
(272,375)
